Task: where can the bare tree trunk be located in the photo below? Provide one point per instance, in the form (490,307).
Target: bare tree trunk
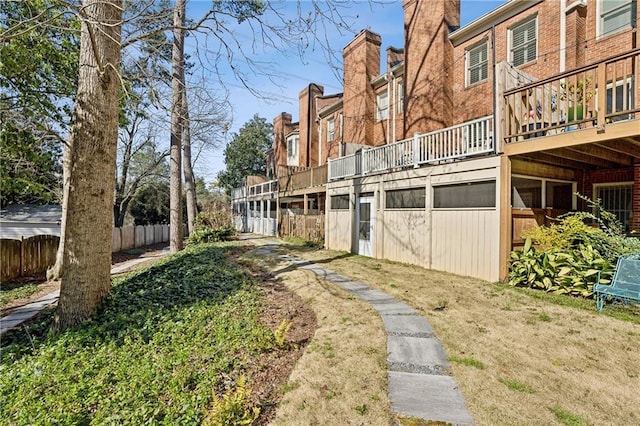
(55,272)
(189,177)
(177,116)
(91,162)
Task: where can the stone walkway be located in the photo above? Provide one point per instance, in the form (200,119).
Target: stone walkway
(419,381)
(30,310)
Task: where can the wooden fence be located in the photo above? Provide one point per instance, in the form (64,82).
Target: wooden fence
(309,227)
(29,256)
(34,255)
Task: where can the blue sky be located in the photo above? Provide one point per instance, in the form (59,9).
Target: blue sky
(286,74)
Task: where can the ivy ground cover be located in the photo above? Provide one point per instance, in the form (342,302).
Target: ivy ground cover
(164,342)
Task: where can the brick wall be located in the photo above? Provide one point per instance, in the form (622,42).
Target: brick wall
(361,59)
(281,127)
(628,174)
(428,64)
(599,47)
(308,126)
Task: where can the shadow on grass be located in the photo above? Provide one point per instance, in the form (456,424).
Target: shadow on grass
(140,300)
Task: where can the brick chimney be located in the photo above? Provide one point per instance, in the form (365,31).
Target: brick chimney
(281,127)
(429,64)
(361,60)
(395,56)
(308,127)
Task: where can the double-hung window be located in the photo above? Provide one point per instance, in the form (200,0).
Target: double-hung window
(331,129)
(477,64)
(524,43)
(293,143)
(382,106)
(615,15)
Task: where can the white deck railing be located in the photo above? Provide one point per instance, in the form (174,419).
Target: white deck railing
(463,140)
(349,165)
(270,187)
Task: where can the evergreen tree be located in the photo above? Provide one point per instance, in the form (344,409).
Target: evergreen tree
(246,153)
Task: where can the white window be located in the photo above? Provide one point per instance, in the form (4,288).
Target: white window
(524,45)
(293,148)
(617,198)
(331,129)
(382,104)
(615,15)
(477,64)
(400,97)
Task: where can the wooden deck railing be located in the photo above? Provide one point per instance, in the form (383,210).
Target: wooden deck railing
(308,178)
(590,96)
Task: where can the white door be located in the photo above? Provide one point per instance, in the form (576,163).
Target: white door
(365,217)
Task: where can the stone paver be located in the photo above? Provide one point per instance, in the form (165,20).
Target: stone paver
(419,381)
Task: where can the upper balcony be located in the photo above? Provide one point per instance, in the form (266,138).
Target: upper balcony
(587,117)
(262,191)
(296,182)
(465,140)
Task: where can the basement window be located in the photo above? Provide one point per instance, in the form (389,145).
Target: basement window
(465,195)
(339,202)
(413,198)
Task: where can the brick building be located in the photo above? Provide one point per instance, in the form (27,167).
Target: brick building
(472,134)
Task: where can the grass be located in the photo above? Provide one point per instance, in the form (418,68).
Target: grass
(12,293)
(558,347)
(162,342)
(517,386)
(470,362)
(567,418)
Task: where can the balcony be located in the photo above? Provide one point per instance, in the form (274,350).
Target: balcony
(587,117)
(465,140)
(303,180)
(265,190)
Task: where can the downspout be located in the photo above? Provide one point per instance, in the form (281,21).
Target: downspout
(395,106)
(495,86)
(342,145)
(386,136)
(319,140)
(563,35)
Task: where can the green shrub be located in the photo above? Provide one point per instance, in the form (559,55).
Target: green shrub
(564,272)
(212,235)
(568,257)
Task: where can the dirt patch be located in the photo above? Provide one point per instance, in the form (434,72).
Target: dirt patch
(269,376)
(341,377)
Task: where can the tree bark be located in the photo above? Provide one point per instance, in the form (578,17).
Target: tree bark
(189,177)
(177,116)
(91,160)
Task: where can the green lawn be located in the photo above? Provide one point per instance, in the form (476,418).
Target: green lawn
(166,339)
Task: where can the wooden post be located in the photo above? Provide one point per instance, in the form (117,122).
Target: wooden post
(505,217)
(22,255)
(602,96)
